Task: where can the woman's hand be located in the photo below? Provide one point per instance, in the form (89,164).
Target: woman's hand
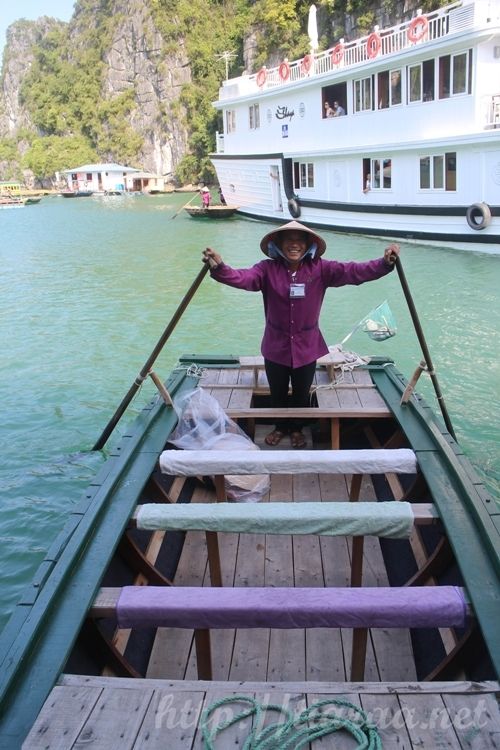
(391,253)
(211,257)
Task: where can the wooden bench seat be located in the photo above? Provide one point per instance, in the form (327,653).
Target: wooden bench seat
(203,608)
(213,462)
(393,519)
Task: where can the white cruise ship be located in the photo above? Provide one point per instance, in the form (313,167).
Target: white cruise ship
(395,134)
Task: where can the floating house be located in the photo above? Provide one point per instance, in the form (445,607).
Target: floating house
(145,182)
(100,178)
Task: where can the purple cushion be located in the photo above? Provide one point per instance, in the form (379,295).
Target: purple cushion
(191,607)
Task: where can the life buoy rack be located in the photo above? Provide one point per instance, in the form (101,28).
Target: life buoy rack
(306,63)
(417,28)
(373,44)
(284,71)
(337,54)
(261,77)
(478,216)
(294,208)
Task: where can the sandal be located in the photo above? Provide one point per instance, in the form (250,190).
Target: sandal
(298,440)
(275,437)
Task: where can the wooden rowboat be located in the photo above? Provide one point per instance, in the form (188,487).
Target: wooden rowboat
(213,212)
(76,193)
(160,599)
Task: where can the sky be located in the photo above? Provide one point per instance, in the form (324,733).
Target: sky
(31,10)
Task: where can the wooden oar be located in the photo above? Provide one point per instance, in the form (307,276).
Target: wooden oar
(423,346)
(184,206)
(152,357)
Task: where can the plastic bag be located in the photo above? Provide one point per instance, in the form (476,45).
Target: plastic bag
(204,425)
(380,323)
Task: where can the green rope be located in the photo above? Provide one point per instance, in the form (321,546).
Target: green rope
(291,732)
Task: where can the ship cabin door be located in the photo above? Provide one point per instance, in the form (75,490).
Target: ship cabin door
(274,176)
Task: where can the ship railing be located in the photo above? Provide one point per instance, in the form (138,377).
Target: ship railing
(219,142)
(491,112)
(379,43)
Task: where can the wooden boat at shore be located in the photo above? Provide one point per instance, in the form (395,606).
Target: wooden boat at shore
(8,201)
(76,193)
(212,212)
(365,581)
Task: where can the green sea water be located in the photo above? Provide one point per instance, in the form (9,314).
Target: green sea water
(87,287)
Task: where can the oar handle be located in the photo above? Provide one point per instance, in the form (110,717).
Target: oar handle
(151,359)
(423,346)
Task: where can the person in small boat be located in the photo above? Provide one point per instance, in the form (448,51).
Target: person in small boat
(205,197)
(293,281)
(222,200)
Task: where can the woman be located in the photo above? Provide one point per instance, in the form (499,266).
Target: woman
(293,281)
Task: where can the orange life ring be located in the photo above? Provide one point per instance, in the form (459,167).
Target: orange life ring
(337,54)
(417,28)
(284,71)
(261,77)
(373,44)
(306,63)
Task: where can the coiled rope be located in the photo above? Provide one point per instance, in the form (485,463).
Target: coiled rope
(292,732)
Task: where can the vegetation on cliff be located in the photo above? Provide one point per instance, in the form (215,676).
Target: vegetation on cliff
(63,90)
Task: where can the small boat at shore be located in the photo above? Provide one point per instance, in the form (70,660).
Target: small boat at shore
(350,587)
(212,212)
(76,193)
(8,201)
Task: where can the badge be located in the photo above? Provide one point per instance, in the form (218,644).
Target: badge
(297,290)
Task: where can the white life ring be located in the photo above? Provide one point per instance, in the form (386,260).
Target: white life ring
(478,216)
(417,28)
(294,208)
(306,63)
(284,70)
(337,53)
(261,77)
(373,45)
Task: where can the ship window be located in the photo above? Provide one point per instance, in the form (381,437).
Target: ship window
(415,83)
(438,172)
(421,82)
(254,117)
(383,89)
(303,175)
(455,75)
(377,174)
(395,87)
(331,94)
(388,88)
(459,74)
(363,94)
(230,121)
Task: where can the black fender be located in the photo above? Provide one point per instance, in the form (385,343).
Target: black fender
(478,216)
(294,207)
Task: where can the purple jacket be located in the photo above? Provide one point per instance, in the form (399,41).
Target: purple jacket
(292,336)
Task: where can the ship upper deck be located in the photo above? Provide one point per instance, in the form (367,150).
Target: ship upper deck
(444,24)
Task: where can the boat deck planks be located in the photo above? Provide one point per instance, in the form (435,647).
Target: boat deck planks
(107,713)
(296,667)
(281,560)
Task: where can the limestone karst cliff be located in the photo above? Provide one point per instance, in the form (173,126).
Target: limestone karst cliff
(134,61)
(133,80)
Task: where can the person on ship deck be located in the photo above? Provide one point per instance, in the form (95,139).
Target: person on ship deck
(293,280)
